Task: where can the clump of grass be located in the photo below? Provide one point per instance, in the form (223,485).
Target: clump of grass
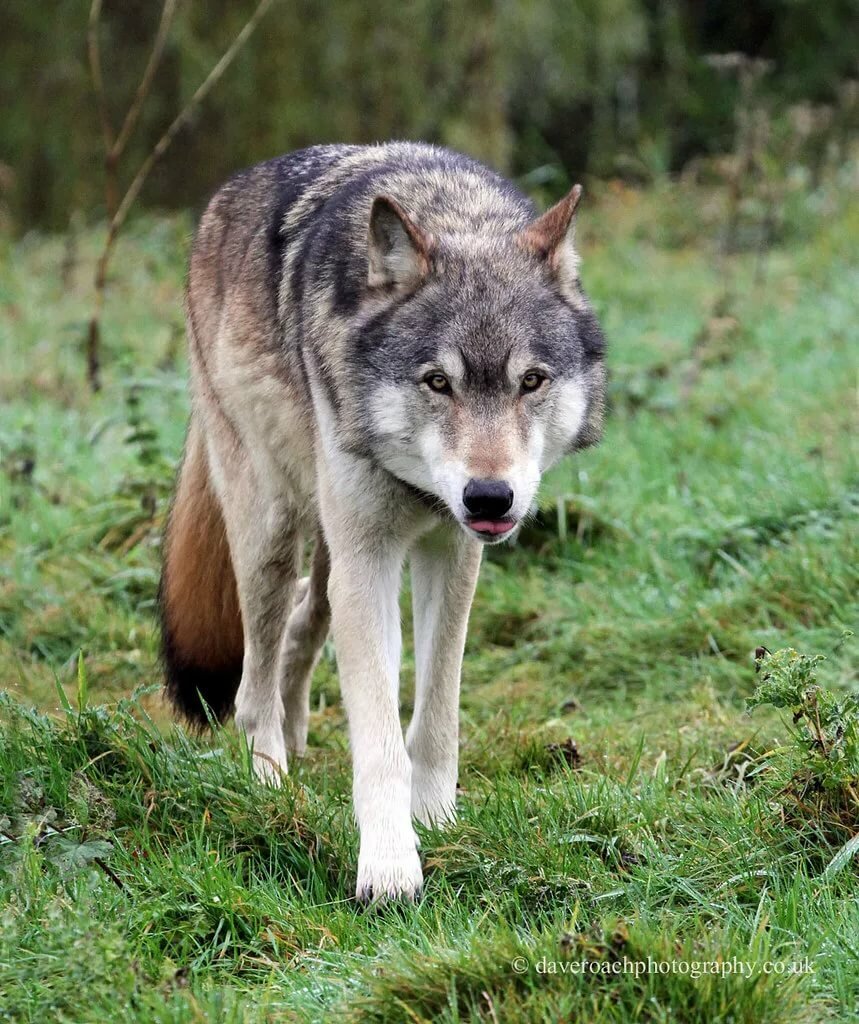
(18,463)
(739,539)
(541,757)
(57,965)
(109,774)
(568,517)
(816,776)
(498,974)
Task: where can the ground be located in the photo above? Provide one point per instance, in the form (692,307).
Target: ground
(614,801)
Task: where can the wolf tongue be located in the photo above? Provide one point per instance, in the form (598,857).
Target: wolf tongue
(490,525)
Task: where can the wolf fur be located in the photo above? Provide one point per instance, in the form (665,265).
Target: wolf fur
(388,347)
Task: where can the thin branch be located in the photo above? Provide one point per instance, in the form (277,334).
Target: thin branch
(111,874)
(168,12)
(184,116)
(94,52)
(118,211)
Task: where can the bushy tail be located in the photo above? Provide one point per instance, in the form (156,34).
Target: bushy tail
(201,625)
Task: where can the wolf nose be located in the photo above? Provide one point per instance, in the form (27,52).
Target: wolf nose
(490,499)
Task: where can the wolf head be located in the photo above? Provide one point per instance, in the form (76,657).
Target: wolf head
(482,361)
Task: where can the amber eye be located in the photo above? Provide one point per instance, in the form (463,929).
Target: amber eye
(531,381)
(438,382)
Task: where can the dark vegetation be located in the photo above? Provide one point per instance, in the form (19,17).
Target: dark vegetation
(545,89)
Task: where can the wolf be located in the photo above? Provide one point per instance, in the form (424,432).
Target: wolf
(388,347)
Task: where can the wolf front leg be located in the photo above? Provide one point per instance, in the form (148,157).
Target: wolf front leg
(444,565)
(363,590)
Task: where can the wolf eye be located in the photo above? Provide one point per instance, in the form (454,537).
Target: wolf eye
(438,382)
(531,381)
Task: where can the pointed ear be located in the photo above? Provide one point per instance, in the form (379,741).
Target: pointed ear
(398,250)
(551,238)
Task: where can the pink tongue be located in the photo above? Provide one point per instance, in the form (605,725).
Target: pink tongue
(490,525)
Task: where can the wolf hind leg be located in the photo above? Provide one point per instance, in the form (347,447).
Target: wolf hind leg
(306,630)
(265,542)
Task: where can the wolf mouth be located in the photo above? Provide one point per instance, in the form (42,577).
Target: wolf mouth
(491,528)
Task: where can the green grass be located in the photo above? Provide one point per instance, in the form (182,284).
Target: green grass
(146,876)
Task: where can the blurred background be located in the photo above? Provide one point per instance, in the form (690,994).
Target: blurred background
(545,88)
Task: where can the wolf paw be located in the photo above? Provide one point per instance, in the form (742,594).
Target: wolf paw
(268,770)
(269,758)
(433,796)
(295,732)
(389,877)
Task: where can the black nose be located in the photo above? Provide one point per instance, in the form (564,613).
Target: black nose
(490,499)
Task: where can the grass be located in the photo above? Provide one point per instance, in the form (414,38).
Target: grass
(615,807)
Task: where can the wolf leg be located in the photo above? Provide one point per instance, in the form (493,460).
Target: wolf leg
(305,633)
(367,555)
(444,569)
(264,546)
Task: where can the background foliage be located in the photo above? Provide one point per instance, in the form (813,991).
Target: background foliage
(600,86)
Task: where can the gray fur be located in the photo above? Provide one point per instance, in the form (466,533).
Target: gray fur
(371,328)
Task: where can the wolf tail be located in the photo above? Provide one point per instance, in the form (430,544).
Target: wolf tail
(202,641)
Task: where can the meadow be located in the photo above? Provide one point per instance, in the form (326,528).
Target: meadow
(619,801)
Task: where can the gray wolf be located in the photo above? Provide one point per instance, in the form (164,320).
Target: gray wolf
(388,347)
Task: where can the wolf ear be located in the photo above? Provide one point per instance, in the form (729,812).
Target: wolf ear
(398,250)
(551,238)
